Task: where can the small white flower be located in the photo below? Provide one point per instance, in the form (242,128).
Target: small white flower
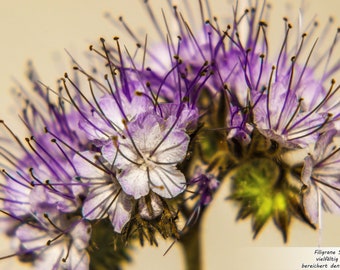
(105,196)
(148,156)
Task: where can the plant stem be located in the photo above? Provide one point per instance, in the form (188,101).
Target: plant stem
(192,247)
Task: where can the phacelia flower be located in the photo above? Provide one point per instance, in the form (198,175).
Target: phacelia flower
(320,176)
(278,104)
(41,196)
(206,184)
(104,196)
(147,158)
(142,146)
(39,169)
(59,242)
(137,141)
(257,104)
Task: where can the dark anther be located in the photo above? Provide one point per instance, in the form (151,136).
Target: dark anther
(263,23)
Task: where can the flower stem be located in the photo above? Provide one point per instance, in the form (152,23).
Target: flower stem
(191,247)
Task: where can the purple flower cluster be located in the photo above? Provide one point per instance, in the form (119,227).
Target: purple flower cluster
(283,105)
(255,105)
(113,155)
(133,142)
(41,194)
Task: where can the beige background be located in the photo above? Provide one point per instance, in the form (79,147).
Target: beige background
(41,29)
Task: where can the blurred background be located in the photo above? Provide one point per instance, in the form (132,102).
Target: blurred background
(42,31)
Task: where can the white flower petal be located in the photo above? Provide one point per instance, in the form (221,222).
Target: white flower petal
(77,259)
(111,111)
(156,205)
(51,258)
(98,201)
(120,214)
(167,181)
(173,150)
(311,204)
(81,235)
(31,237)
(84,167)
(134,181)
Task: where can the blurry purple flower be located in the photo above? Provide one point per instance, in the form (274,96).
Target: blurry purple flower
(320,175)
(280,93)
(206,184)
(58,243)
(280,116)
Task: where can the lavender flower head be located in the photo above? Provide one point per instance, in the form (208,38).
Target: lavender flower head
(137,146)
(268,102)
(41,196)
(289,108)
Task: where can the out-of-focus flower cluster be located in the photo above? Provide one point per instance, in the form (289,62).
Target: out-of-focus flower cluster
(134,147)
